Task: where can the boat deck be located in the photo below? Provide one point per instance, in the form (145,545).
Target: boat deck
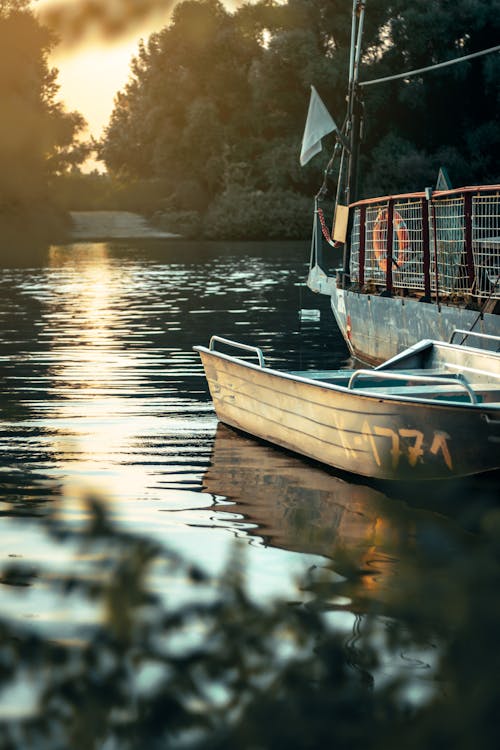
(449,391)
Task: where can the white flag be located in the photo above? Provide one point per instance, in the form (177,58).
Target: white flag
(318,124)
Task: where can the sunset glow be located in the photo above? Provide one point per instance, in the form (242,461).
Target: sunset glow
(90,78)
(94,70)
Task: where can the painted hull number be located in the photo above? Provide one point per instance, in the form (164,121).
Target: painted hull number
(408,443)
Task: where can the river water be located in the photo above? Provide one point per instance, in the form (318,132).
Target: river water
(103,393)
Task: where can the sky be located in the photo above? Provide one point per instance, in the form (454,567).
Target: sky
(90,77)
(91,73)
(93,70)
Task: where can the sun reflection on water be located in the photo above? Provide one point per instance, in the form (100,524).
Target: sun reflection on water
(101,362)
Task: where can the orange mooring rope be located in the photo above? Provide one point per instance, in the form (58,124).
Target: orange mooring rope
(324,229)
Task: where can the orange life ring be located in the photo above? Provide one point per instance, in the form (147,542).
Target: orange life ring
(380,233)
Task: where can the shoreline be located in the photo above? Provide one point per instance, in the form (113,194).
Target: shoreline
(99,226)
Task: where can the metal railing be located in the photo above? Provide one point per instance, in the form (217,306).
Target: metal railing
(458,379)
(444,245)
(236,344)
(474,334)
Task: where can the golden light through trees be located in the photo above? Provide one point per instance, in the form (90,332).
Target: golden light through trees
(74,20)
(77,19)
(98,39)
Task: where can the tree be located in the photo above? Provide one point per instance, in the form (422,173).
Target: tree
(219,99)
(452,109)
(37,136)
(212,97)
(188,83)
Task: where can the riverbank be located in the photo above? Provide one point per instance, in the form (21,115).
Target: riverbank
(99,226)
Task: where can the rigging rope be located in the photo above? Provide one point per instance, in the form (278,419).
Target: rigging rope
(431,67)
(481,312)
(324,229)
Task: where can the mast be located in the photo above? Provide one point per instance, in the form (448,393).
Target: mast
(354,106)
(353,125)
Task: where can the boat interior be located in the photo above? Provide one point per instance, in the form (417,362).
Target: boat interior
(429,370)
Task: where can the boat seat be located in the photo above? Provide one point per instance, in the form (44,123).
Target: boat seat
(485,392)
(325,375)
(339,374)
(470,372)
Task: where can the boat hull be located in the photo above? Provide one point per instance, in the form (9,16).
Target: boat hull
(383,438)
(376,328)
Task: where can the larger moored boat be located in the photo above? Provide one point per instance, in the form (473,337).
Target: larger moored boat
(414,266)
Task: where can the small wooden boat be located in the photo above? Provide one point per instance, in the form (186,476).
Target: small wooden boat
(430,412)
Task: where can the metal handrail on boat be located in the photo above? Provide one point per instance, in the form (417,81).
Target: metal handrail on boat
(385,374)
(472,370)
(489,420)
(466,334)
(245,347)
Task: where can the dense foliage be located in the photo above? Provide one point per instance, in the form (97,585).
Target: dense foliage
(37,136)
(216,669)
(216,104)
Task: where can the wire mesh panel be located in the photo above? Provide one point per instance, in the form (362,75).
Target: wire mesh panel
(447,247)
(407,244)
(409,273)
(486,243)
(355,242)
(376,238)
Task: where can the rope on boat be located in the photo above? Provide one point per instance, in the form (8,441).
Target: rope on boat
(481,312)
(324,229)
(431,67)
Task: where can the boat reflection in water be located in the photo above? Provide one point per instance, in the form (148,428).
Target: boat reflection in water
(376,542)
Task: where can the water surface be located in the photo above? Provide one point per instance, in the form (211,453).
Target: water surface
(103,393)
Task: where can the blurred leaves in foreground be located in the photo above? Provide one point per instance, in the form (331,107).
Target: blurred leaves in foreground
(113,18)
(200,664)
